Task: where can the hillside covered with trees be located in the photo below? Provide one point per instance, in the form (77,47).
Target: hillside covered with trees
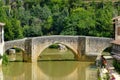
(28,18)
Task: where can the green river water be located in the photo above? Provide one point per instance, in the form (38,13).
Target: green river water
(52,65)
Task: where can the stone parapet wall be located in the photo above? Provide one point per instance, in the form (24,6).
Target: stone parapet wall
(96,45)
(15,44)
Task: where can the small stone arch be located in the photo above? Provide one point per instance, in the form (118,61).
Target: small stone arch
(75,53)
(106,49)
(5,49)
(22,51)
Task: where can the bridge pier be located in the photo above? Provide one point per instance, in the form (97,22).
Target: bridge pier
(28,51)
(77,57)
(26,57)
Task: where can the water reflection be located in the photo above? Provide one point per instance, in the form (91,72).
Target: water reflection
(47,70)
(1,73)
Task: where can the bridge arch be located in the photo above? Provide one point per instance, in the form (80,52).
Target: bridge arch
(14,47)
(106,49)
(96,45)
(67,45)
(15,44)
(12,56)
(79,45)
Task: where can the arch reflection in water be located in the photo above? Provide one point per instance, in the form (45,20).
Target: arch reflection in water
(47,70)
(58,70)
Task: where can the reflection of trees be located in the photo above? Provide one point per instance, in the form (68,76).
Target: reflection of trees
(17,71)
(14,69)
(57,68)
(60,70)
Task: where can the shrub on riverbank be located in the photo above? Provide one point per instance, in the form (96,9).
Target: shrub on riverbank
(5,59)
(54,46)
(116,64)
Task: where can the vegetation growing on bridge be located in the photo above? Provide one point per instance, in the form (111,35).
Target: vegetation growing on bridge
(55,46)
(5,59)
(27,18)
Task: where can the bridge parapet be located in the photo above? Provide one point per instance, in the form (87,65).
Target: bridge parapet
(96,45)
(41,43)
(15,44)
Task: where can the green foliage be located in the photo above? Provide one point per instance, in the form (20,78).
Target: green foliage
(17,50)
(104,20)
(5,59)
(32,31)
(30,18)
(116,64)
(54,46)
(79,21)
(1,3)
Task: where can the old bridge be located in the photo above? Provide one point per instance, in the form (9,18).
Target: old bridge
(80,45)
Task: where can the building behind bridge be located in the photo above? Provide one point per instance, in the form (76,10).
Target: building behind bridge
(116,43)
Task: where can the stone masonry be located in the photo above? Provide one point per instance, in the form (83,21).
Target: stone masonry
(80,45)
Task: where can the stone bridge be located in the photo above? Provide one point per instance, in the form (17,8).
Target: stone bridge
(80,45)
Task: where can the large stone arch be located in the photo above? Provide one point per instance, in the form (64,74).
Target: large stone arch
(40,44)
(75,53)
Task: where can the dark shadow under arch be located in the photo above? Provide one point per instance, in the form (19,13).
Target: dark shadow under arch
(107,51)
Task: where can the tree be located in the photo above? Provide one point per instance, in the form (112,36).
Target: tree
(24,16)
(34,29)
(17,29)
(1,3)
(80,20)
(41,12)
(47,25)
(104,20)
(59,17)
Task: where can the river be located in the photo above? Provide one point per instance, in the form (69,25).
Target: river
(52,65)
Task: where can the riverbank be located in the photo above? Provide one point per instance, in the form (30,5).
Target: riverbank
(108,72)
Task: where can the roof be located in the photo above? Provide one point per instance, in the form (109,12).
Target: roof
(116,42)
(2,24)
